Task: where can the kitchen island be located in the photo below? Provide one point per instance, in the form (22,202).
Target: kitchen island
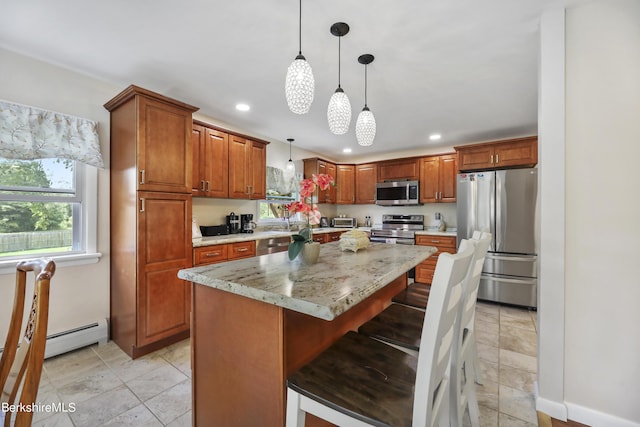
(257,320)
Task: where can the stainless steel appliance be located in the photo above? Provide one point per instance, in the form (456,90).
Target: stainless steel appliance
(504,203)
(344,222)
(400,229)
(397,193)
(246,223)
(233,223)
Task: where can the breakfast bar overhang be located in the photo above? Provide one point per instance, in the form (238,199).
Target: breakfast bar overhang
(257,320)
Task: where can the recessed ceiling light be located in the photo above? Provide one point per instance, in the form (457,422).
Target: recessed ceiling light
(346,150)
(242,107)
(435,136)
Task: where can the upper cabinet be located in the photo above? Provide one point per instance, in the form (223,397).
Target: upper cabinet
(345,184)
(438,179)
(366,178)
(401,169)
(520,152)
(210,162)
(158,153)
(319,166)
(247,168)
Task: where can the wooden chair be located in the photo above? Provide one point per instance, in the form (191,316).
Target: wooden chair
(401,327)
(359,381)
(21,367)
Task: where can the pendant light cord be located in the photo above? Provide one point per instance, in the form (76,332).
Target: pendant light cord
(300,29)
(365,86)
(339,45)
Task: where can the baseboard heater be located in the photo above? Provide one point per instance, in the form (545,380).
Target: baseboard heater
(73,339)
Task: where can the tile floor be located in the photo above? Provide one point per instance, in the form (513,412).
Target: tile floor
(108,388)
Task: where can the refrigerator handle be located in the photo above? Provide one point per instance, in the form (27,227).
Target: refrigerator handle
(511,258)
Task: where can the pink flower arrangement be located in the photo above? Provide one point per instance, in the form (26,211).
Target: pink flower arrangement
(309,210)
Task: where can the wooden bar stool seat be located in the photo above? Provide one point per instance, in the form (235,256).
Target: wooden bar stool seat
(416,295)
(398,325)
(359,381)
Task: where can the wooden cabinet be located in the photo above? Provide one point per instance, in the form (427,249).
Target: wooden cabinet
(210,171)
(223,252)
(345,184)
(366,178)
(438,179)
(519,152)
(151,154)
(400,169)
(247,168)
(425,270)
(332,236)
(320,166)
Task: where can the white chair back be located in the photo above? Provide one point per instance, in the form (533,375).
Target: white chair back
(431,396)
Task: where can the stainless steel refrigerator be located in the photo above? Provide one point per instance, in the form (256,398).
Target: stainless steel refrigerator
(504,203)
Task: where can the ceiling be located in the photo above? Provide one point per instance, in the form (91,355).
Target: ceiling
(466,69)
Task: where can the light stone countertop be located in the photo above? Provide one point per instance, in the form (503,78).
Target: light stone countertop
(258,235)
(339,280)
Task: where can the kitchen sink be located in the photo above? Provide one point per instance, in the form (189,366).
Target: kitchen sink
(272,245)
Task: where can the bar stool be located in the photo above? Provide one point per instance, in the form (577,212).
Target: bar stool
(399,326)
(21,367)
(359,381)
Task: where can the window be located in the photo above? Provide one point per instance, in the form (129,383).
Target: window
(44,208)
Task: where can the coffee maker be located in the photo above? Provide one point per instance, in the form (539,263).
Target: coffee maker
(246,223)
(233,223)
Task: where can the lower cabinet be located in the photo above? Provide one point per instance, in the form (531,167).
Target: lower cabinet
(332,236)
(425,270)
(223,252)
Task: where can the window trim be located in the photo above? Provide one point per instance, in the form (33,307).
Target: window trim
(89,180)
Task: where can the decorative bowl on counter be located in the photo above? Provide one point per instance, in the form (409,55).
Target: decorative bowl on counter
(354,240)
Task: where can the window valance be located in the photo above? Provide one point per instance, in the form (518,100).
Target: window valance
(29,133)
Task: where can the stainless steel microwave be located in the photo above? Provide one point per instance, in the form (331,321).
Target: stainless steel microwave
(397,193)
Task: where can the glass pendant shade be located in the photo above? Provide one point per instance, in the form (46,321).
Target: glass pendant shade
(339,112)
(299,86)
(365,127)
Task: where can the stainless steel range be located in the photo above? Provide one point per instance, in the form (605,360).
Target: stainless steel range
(400,229)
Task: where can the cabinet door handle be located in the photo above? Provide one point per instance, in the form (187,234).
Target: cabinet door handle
(202,185)
(491,161)
(141,176)
(435,241)
(208,186)
(497,159)
(242,249)
(441,195)
(142,205)
(212,254)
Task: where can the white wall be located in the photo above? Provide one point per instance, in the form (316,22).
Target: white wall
(79,295)
(601,371)
(602,340)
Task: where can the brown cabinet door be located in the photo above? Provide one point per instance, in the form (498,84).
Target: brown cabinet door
(210,254)
(239,152)
(345,184)
(366,178)
(216,163)
(447,178)
(164,247)
(429,179)
(522,152)
(334,236)
(331,193)
(475,158)
(198,183)
(320,238)
(258,170)
(402,169)
(425,270)
(242,250)
(164,153)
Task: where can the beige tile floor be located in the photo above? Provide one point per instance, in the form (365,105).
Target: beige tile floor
(108,388)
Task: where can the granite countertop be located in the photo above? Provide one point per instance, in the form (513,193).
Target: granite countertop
(258,235)
(339,280)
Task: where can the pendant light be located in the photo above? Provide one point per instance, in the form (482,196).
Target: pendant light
(290,168)
(339,110)
(366,123)
(300,84)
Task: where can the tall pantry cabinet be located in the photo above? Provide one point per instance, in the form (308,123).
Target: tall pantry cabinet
(151,155)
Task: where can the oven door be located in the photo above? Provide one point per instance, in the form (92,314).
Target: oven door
(393,240)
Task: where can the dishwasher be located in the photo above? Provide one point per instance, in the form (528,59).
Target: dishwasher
(272,245)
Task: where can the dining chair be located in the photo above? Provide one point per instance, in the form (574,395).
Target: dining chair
(401,326)
(21,366)
(359,381)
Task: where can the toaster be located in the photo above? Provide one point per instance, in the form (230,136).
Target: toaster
(342,222)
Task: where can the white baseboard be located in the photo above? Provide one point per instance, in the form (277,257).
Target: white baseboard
(553,409)
(595,418)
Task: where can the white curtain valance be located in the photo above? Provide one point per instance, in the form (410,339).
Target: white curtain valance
(29,133)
